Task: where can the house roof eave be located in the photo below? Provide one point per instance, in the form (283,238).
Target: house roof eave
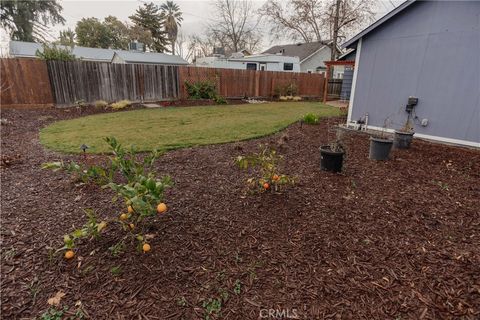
(314,53)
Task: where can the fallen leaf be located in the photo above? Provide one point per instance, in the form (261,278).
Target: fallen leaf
(102,225)
(55,300)
(149,236)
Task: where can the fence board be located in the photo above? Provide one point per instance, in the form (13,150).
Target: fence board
(334,87)
(90,81)
(239,83)
(24,82)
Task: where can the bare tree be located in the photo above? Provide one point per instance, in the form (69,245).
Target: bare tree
(315,20)
(200,46)
(295,19)
(184,47)
(235,25)
(346,17)
(336,20)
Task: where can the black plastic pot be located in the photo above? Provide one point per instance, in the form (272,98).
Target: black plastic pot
(380,148)
(402,139)
(331,160)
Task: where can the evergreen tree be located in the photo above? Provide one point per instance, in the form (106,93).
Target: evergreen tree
(140,34)
(150,18)
(28,20)
(118,33)
(92,33)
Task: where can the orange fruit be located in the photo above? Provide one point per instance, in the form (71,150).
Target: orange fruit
(146,247)
(161,208)
(130,209)
(266,186)
(123,216)
(275,177)
(69,254)
(132,226)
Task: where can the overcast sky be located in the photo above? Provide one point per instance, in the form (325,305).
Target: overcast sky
(195,13)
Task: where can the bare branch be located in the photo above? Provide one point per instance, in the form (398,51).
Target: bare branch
(313,20)
(235,25)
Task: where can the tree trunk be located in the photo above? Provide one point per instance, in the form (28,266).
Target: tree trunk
(173,47)
(333,54)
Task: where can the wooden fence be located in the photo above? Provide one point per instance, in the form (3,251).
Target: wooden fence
(334,88)
(90,81)
(24,82)
(240,83)
(35,82)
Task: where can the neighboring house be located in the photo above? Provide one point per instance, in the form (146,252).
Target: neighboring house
(311,55)
(122,56)
(429,50)
(20,49)
(262,62)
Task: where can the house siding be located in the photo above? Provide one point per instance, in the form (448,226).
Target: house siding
(431,51)
(316,60)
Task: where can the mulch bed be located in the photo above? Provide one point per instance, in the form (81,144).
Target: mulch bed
(383,240)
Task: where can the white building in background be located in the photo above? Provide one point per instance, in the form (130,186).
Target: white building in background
(312,55)
(261,62)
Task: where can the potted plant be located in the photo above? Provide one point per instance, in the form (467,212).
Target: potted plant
(331,155)
(403,137)
(381,145)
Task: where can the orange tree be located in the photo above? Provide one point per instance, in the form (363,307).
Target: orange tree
(267,176)
(132,180)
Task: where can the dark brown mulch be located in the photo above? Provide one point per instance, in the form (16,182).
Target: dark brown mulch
(384,240)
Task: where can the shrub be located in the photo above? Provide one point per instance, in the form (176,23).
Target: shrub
(311,118)
(267,177)
(55,53)
(220,100)
(91,229)
(100,104)
(122,104)
(291,89)
(343,111)
(80,103)
(201,90)
(135,182)
(290,98)
(277,91)
(288,90)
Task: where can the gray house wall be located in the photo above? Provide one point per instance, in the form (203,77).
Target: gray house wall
(316,60)
(431,50)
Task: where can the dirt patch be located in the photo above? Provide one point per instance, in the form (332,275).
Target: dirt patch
(383,240)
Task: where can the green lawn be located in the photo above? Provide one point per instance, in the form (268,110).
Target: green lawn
(171,128)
